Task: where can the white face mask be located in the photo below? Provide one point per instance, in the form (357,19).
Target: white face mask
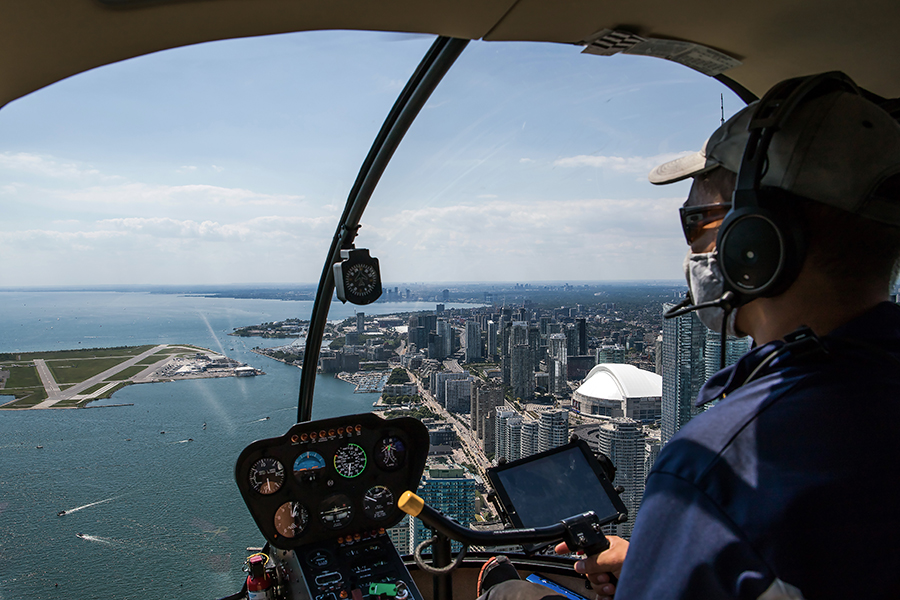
(707,284)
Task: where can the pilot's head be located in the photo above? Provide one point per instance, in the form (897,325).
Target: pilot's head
(831,177)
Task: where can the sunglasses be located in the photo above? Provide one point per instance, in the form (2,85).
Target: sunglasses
(696,220)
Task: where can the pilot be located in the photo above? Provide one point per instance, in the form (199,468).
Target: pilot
(788,486)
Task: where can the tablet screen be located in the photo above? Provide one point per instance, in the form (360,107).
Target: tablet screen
(541,491)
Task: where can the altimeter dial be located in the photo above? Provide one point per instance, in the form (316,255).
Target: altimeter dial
(266,476)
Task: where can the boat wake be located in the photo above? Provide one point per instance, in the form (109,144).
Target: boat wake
(263,419)
(77,508)
(97,539)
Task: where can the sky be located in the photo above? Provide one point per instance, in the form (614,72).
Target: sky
(229,162)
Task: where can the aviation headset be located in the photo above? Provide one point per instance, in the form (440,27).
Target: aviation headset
(760,249)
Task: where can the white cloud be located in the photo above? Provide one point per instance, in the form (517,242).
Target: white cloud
(195,194)
(44,166)
(631,164)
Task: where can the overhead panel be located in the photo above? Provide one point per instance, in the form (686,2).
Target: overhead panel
(772,39)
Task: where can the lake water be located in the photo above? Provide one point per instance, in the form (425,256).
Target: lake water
(161,517)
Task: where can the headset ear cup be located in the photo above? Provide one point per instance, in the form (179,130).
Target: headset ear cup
(757,253)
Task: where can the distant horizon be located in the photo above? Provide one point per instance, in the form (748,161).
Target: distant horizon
(270,285)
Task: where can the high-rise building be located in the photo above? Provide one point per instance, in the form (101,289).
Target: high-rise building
(521,372)
(485,398)
(444,330)
(553,429)
(448,488)
(622,440)
(501,432)
(529,442)
(581,329)
(610,353)
(400,534)
(684,370)
(491,340)
(557,367)
(458,395)
(514,438)
(735,348)
(437,381)
(360,322)
(571,339)
(489,434)
(472,342)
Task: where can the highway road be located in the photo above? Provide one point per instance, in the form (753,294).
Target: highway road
(467,437)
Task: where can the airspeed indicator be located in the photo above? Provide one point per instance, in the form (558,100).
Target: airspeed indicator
(350,461)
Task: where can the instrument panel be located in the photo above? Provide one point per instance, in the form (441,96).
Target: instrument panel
(334,478)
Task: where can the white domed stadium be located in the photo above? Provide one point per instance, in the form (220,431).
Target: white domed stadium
(620,390)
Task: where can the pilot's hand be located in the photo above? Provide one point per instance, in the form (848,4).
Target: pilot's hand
(598,567)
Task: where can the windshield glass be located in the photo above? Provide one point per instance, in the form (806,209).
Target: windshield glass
(156,206)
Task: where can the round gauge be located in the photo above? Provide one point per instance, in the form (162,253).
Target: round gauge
(266,476)
(360,279)
(308,462)
(291,519)
(390,453)
(350,461)
(378,503)
(336,511)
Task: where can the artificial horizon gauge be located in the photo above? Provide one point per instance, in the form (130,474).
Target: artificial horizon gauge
(307,463)
(291,519)
(378,503)
(266,476)
(336,511)
(350,461)
(390,453)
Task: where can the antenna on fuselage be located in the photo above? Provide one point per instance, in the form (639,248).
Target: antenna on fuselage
(722,109)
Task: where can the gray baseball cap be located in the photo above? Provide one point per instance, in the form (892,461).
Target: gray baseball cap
(836,149)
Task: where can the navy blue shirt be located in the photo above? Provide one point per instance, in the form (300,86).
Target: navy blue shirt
(792,478)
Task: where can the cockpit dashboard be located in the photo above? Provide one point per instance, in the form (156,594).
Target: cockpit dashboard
(323,496)
(335,478)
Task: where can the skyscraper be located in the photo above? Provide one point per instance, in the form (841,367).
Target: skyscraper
(581,328)
(553,429)
(684,370)
(472,342)
(491,340)
(360,322)
(734,348)
(458,395)
(501,432)
(558,355)
(485,399)
(623,441)
(448,488)
(529,442)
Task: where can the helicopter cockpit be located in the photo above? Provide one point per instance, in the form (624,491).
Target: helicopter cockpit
(324,491)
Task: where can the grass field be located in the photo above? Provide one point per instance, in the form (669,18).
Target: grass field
(71,367)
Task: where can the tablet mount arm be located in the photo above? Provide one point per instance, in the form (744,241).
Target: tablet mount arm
(580,533)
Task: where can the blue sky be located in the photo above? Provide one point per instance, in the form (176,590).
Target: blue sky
(229,162)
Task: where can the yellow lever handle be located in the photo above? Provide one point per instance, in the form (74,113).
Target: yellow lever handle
(410,504)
